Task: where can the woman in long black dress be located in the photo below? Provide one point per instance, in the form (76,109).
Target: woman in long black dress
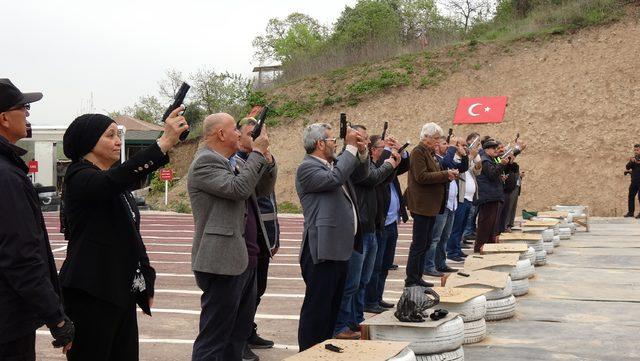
(107,270)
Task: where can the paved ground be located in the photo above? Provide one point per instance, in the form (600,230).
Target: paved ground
(584,305)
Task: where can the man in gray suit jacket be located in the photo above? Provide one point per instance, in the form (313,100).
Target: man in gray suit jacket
(227,239)
(331,231)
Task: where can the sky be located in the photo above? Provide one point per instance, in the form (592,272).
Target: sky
(101,56)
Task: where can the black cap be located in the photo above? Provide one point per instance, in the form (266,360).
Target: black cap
(10,96)
(490,143)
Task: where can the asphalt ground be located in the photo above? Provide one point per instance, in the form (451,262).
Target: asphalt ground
(566,316)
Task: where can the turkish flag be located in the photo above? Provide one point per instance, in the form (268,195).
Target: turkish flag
(480,110)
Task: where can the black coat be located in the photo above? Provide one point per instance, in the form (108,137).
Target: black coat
(105,246)
(490,186)
(365,188)
(384,193)
(635,172)
(29,290)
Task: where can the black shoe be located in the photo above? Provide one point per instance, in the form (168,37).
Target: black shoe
(468,237)
(434,273)
(375,309)
(393,267)
(447,269)
(629,215)
(248,355)
(420,282)
(463,255)
(258,342)
(456,259)
(638,216)
(386,304)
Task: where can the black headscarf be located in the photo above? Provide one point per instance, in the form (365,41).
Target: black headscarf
(83,134)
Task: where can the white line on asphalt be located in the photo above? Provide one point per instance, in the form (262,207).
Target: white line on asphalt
(165,252)
(269,295)
(264,316)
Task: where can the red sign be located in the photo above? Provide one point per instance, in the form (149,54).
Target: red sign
(33,166)
(166,174)
(480,110)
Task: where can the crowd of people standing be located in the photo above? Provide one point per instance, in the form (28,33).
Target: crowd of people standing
(457,189)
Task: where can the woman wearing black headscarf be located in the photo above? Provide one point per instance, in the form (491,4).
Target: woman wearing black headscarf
(107,269)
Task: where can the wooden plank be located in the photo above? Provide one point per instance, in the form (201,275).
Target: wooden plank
(493,248)
(476,262)
(519,236)
(553,214)
(353,350)
(478,279)
(387,318)
(549,223)
(458,295)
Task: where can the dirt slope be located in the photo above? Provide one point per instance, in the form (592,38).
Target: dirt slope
(574,98)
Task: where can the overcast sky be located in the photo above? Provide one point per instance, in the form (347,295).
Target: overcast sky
(118,50)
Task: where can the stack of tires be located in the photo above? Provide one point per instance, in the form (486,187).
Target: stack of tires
(429,344)
(547,239)
(541,258)
(530,254)
(501,304)
(472,313)
(564,233)
(520,277)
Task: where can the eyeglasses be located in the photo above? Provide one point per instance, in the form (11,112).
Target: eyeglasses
(330,139)
(20,107)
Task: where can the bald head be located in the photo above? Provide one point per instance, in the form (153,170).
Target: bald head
(215,122)
(220,134)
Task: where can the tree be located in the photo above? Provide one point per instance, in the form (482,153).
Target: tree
(417,17)
(220,92)
(283,39)
(469,12)
(366,22)
(147,108)
(169,86)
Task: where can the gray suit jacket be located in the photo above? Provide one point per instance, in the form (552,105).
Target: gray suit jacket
(328,216)
(218,200)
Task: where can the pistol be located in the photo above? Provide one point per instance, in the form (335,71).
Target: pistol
(474,143)
(450,134)
(178,101)
(343,125)
(384,130)
(261,118)
(404,146)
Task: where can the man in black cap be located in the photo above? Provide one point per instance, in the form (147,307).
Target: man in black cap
(29,289)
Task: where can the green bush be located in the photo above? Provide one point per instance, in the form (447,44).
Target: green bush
(288,207)
(386,80)
(181,206)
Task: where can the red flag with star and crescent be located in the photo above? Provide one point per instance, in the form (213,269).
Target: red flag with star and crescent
(480,110)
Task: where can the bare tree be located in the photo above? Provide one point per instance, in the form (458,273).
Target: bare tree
(469,11)
(169,86)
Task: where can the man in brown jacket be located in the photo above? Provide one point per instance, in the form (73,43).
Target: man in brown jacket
(425,196)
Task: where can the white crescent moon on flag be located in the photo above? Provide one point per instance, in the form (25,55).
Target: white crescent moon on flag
(470,110)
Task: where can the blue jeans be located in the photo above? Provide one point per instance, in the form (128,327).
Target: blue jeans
(387,240)
(359,272)
(471,221)
(436,256)
(459,224)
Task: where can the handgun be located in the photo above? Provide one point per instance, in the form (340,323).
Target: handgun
(404,146)
(450,134)
(474,143)
(384,130)
(178,101)
(343,125)
(258,129)
(29,131)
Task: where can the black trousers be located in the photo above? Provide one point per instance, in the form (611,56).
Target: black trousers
(634,189)
(488,218)
(323,294)
(420,243)
(20,349)
(104,331)
(508,213)
(228,307)
(262,271)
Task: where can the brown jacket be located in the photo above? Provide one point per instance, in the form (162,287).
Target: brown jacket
(427,183)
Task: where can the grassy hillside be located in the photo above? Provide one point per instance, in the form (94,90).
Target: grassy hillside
(574,97)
